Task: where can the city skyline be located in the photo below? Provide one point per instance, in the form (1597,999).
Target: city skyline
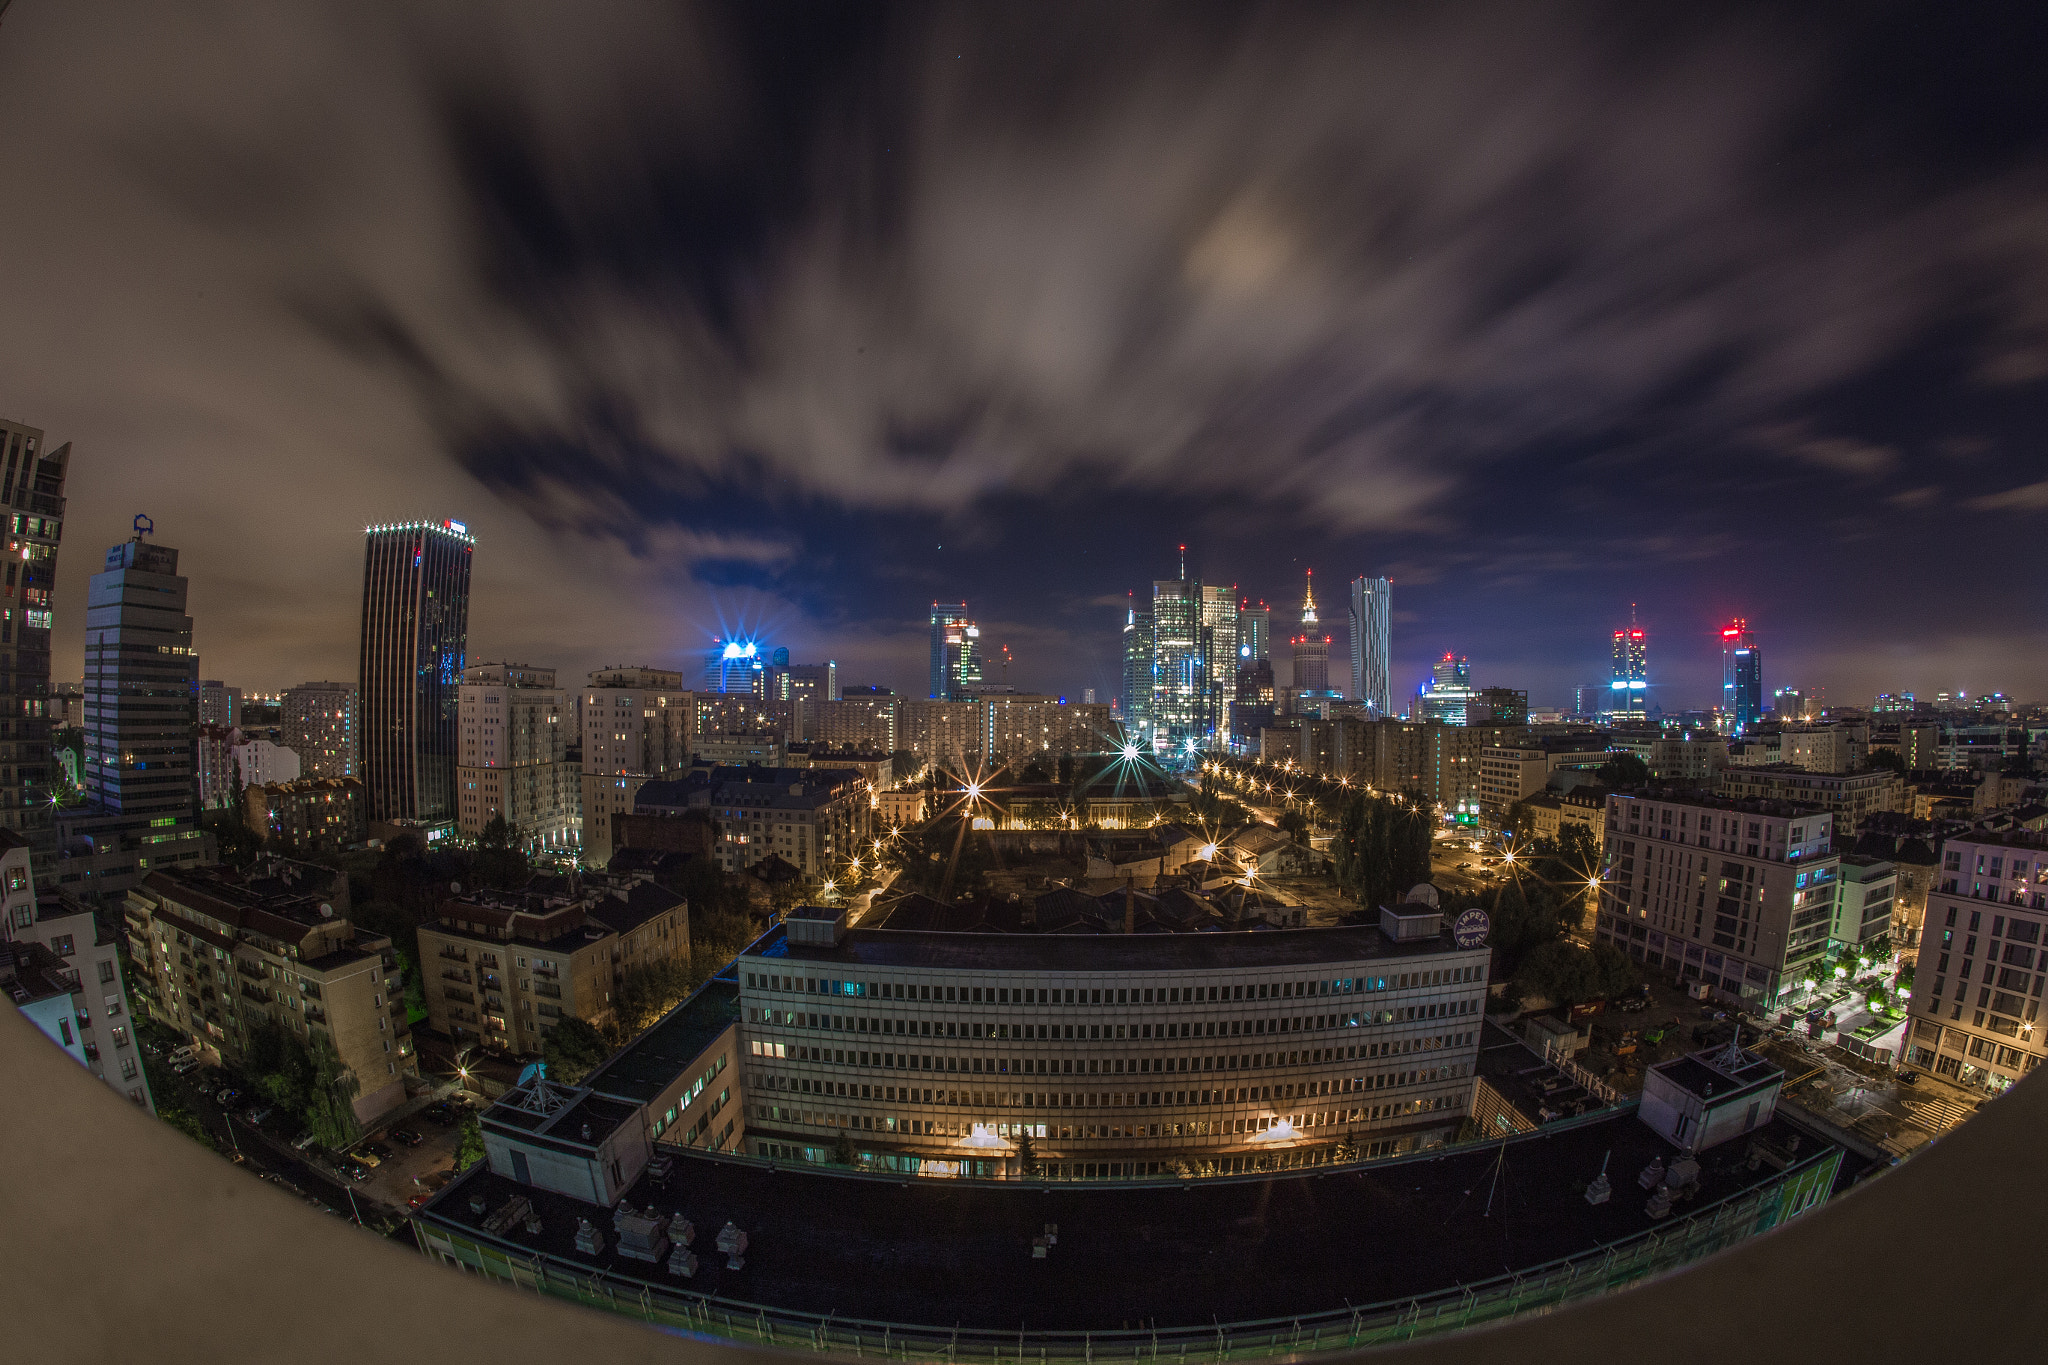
(939,387)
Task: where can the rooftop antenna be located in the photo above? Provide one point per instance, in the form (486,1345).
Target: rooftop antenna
(1183,563)
(1732,1058)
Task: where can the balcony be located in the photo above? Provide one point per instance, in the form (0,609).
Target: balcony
(257,993)
(466,997)
(551,992)
(454,954)
(452,974)
(315,1015)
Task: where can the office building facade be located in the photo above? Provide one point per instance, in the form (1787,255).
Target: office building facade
(319,724)
(313,815)
(1207,1048)
(1254,633)
(1443,699)
(1372,644)
(415,642)
(735,666)
(1742,677)
(1136,704)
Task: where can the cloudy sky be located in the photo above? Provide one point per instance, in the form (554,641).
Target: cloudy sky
(795,318)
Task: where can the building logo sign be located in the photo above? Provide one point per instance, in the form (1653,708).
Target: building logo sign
(1470,929)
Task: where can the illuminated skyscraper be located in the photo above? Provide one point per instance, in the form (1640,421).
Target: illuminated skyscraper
(1449,691)
(1254,632)
(33,496)
(1311,646)
(734,666)
(956,653)
(1629,687)
(1742,676)
(1372,644)
(1137,698)
(415,640)
(1194,662)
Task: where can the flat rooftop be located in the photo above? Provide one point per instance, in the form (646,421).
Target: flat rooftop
(937,1252)
(1101,952)
(644,1067)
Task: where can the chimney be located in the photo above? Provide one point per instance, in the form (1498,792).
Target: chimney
(1130,907)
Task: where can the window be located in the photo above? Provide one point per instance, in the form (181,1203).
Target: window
(61,945)
(106,971)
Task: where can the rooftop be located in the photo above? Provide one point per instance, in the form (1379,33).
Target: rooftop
(644,1067)
(1213,951)
(1171,1255)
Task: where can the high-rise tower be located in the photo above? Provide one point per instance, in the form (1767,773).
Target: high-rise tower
(1137,698)
(32,494)
(140,717)
(956,652)
(1742,676)
(415,640)
(1372,644)
(1311,646)
(1194,662)
(1629,688)
(1254,633)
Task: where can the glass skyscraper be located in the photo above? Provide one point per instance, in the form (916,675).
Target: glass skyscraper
(1372,644)
(956,652)
(415,640)
(1742,676)
(1194,663)
(1137,698)
(1629,686)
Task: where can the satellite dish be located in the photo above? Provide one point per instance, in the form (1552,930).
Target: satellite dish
(326,910)
(1422,893)
(456,887)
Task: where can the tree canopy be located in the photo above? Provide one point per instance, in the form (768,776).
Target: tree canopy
(1381,848)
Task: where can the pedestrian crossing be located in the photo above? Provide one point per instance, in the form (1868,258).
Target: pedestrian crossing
(1937,1115)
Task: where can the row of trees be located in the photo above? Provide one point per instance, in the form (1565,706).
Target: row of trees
(1381,848)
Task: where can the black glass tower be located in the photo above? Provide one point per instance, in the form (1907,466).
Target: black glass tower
(415,638)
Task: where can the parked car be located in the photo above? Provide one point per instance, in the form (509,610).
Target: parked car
(439,1114)
(378,1150)
(185,1066)
(304,1142)
(261,1114)
(355,1170)
(363,1156)
(405,1137)
(417,1200)
(1909,1077)
(227,1097)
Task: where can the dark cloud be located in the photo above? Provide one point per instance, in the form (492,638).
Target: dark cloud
(848,307)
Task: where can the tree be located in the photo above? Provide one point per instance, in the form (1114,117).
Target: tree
(189,1124)
(842,1149)
(1623,772)
(1294,824)
(1027,1158)
(1570,975)
(1887,760)
(469,1148)
(500,855)
(1381,848)
(573,1049)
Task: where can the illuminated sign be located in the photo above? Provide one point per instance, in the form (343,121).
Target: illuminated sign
(1471,928)
(459,528)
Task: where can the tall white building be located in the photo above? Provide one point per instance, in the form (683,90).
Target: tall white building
(1372,644)
(638,724)
(516,727)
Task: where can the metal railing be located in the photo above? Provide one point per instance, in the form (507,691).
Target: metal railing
(1535,1290)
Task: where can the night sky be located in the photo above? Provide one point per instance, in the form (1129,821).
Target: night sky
(794,318)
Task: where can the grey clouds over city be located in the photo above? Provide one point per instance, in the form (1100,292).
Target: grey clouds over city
(792,319)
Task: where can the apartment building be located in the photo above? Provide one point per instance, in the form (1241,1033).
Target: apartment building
(318,723)
(231,952)
(311,815)
(1983,960)
(866,721)
(502,968)
(950,735)
(1018,727)
(515,727)
(638,724)
(1585,807)
(1512,773)
(1275,1041)
(1866,894)
(62,965)
(1851,796)
(1843,747)
(814,819)
(1739,895)
(1695,756)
